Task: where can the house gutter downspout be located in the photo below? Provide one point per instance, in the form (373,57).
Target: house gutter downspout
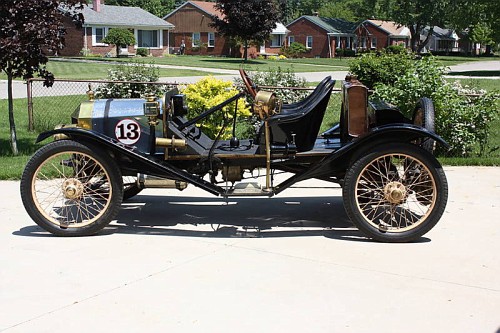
(168,41)
(329,46)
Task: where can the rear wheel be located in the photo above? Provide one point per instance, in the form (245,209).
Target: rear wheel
(70,189)
(397,193)
(424,115)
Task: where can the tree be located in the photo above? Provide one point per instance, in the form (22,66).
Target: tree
(349,10)
(29,30)
(251,20)
(482,34)
(470,14)
(118,37)
(159,8)
(417,14)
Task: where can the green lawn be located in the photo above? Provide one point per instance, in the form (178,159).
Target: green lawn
(99,67)
(11,167)
(475,73)
(99,70)
(455,60)
(486,84)
(298,65)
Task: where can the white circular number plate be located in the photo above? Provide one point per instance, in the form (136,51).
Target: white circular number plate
(128,131)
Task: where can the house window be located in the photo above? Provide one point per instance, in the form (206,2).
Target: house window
(291,39)
(211,39)
(374,42)
(276,40)
(196,39)
(309,42)
(98,34)
(148,38)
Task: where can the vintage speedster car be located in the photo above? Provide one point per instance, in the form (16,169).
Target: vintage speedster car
(393,188)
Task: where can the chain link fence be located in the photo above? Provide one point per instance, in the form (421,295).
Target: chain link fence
(50,106)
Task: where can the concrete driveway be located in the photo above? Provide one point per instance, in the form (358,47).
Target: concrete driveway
(161,267)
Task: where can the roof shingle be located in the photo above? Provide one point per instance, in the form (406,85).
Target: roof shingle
(331,25)
(123,16)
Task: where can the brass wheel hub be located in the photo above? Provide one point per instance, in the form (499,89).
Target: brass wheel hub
(395,192)
(72,188)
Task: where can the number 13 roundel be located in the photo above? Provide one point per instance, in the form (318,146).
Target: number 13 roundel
(128,131)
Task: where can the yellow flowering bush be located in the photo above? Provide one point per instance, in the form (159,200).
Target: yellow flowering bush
(207,93)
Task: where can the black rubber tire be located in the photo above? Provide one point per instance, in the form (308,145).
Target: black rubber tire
(97,180)
(424,115)
(130,189)
(424,187)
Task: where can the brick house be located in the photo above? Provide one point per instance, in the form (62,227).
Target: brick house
(192,28)
(441,40)
(322,35)
(377,34)
(150,31)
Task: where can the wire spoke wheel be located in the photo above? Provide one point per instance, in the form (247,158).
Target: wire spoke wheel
(392,195)
(395,194)
(70,190)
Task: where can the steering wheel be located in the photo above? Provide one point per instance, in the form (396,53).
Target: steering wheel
(248,83)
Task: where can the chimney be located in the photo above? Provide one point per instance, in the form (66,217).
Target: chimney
(96,5)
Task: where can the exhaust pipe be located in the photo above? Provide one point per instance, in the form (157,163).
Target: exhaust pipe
(146,181)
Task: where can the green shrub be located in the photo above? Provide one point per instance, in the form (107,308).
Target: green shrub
(422,78)
(461,120)
(339,52)
(135,71)
(85,52)
(209,92)
(396,49)
(372,68)
(142,51)
(294,50)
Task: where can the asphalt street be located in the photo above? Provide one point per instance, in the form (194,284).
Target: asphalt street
(189,262)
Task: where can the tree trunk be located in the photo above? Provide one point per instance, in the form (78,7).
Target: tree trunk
(13,137)
(415,36)
(422,44)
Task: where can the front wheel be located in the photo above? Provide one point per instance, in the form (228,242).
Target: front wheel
(397,193)
(70,189)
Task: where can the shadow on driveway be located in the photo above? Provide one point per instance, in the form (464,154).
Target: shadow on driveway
(234,218)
